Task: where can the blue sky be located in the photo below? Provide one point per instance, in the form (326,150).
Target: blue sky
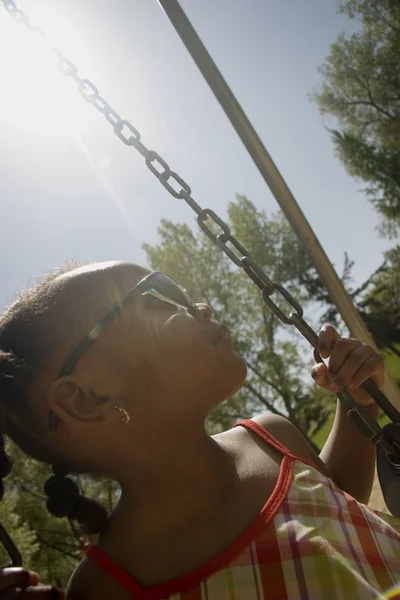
(75,191)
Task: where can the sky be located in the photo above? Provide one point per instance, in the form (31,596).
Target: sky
(71,189)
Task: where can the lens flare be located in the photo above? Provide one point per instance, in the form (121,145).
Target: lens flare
(35,96)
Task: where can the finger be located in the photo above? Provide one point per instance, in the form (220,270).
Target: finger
(352,363)
(17,577)
(342,350)
(326,340)
(320,375)
(33,593)
(373,367)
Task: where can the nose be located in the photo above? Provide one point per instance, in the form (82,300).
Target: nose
(203,313)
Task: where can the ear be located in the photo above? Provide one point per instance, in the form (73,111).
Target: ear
(77,405)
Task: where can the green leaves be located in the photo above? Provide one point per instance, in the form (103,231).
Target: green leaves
(361,90)
(378,166)
(49,546)
(23,536)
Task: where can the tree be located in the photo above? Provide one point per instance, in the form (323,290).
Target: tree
(56,550)
(378,302)
(277,370)
(50,546)
(22,534)
(379,166)
(361,90)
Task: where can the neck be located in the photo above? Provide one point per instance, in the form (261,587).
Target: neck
(176,475)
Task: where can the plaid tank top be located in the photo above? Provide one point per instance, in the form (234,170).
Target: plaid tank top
(311,540)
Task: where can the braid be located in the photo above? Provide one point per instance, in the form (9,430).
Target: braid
(65,500)
(24,348)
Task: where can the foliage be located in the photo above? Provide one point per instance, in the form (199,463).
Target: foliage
(48,545)
(23,536)
(378,303)
(361,90)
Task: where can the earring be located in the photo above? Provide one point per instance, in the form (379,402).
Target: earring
(125,417)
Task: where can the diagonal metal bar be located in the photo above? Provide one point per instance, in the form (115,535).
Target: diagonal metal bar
(273,178)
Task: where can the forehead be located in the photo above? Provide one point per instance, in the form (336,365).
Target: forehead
(101,281)
(124,273)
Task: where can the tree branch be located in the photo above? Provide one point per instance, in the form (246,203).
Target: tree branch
(380,109)
(25,488)
(369,280)
(370,103)
(264,379)
(41,540)
(384,20)
(263,400)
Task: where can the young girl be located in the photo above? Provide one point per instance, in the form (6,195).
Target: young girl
(109,369)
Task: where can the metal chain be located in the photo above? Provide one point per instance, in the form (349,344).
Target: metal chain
(207,219)
(173,183)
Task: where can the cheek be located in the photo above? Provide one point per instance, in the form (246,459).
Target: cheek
(191,361)
(182,340)
(171,345)
(177,344)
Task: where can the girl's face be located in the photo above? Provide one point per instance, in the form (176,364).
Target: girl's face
(162,361)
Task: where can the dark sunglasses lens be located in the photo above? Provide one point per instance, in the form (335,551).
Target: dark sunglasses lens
(166,289)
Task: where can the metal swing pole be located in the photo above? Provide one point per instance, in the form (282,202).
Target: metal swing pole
(273,179)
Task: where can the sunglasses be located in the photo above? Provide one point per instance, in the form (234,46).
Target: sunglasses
(155,284)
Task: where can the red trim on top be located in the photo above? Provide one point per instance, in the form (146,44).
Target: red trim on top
(271,441)
(116,572)
(221,560)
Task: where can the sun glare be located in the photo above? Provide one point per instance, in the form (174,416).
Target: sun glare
(35,96)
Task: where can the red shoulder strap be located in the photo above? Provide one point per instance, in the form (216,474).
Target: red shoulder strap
(127,581)
(107,564)
(268,438)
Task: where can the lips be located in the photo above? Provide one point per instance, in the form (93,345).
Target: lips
(221,333)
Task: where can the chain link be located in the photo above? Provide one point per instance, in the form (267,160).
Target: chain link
(179,189)
(207,219)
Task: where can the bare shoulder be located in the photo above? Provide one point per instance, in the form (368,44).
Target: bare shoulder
(89,582)
(286,433)
(291,438)
(279,427)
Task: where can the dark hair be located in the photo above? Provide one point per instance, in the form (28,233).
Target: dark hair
(28,337)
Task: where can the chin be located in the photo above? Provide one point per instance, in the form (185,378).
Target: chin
(234,375)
